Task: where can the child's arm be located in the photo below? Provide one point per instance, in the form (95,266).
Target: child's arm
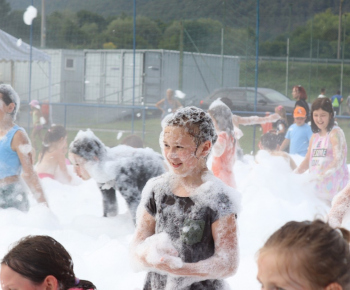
(21,145)
(304,165)
(284,144)
(258,120)
(338,142)
(225,260)
(340,207)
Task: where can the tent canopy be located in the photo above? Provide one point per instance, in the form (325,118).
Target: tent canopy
(11,51)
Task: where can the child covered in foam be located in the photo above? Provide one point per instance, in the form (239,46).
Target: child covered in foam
(186,234)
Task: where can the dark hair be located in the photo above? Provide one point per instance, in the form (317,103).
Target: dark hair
(269,140)
(323,90)
(326,105)
(9,96)
(133,141)
(317,251)
(338,92)
(228,102)
(301,91)
(52,135)
(196,122)
(222,116)
(36,257)
(88,148)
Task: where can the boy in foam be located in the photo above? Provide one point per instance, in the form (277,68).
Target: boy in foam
(121,168)
(186,224)
(305,255)
(298,134)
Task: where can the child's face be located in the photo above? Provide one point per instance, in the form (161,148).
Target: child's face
(321,119)
(300,121)
(273,275)
(180,150)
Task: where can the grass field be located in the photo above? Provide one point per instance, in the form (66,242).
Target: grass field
(108,133)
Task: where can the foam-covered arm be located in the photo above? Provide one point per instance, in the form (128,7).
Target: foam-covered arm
(258,120)
(23,148)
(339,208)
(304,165)
(222,264)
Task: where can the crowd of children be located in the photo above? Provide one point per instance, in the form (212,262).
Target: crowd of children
(185,214)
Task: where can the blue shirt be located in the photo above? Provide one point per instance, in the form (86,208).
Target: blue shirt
(299,137)
(9,162)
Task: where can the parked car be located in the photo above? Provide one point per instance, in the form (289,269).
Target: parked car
(243,100)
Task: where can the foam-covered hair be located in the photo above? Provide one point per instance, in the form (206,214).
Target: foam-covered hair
(9,96)
(196,122)
(88,146)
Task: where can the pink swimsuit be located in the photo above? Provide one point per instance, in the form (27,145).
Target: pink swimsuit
(322,155)
(222,166)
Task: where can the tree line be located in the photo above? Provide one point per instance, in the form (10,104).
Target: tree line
(90,30)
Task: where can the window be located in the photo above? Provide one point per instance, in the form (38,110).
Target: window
(70,64)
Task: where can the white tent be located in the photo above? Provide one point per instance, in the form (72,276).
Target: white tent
(14,51)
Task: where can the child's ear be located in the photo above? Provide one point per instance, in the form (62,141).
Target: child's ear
(50,283)
(334,286)
(206,147)
(11,107)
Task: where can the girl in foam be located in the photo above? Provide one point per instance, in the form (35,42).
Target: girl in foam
(15,156)
(40,262)
(326,156)
(305,255)
(186,233)
(52,160)
(224,148)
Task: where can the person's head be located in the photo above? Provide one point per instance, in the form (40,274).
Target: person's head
(323,91)
(34,104)
(299,93)
(39,262)
(269,141)
(55,138)
(133,141)
(169,94)
(305,255)
(187,139)
(10,99)
(228,102)
(86,149)
(280,110)
(338,92)
(221,115)
(299,115)
(322,115)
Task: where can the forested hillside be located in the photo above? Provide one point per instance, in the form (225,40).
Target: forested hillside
(274,14)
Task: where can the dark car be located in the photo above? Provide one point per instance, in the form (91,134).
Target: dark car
(243,100)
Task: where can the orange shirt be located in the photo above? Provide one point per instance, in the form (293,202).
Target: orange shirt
(222,165)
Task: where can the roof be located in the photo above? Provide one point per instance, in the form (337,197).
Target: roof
(9,50)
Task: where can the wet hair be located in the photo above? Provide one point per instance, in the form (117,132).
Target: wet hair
(52,135)
(36,257)
(9,96)
(196,122)
(222,116)
(228,103)
(133,141)
(301,91)
(88,148)
(326,105)
(314,250)
(269,140)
